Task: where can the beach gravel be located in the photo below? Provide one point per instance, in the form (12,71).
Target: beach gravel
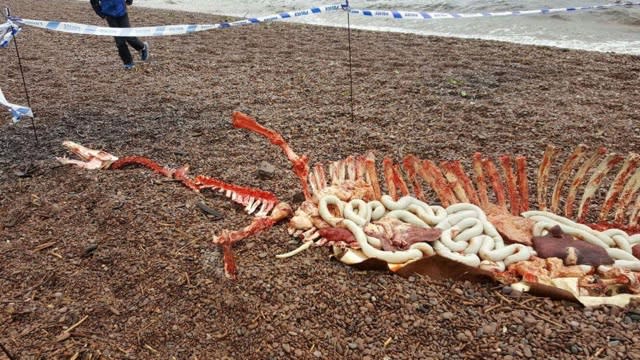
(121,264)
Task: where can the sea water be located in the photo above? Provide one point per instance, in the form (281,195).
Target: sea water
(610,30)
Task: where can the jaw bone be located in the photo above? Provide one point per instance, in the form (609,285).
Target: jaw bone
(90,159)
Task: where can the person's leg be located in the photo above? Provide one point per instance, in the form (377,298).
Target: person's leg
(121,42)
(132,40)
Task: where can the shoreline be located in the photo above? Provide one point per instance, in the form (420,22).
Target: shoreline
(369,24)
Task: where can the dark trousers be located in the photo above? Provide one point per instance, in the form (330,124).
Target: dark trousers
(121,42)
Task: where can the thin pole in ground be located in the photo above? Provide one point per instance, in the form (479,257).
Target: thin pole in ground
(345,6)
(24,82)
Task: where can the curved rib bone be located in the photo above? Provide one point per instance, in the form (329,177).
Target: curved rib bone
(408,164)
(628,167)
(514,199)
(372,176)
(523,183)
(432,175)
(317,178)
(494,178)
(350,163)
(564,174)
(455,169)
(455,183)
(337,172)
(543,176)
(594,183)
(387,166)
(632,187)
(400,183)
(480,180)
(361,168)
(579,178)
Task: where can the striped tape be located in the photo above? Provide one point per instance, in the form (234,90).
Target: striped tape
(7,31)
(17,111)
(168,30)
(415,15)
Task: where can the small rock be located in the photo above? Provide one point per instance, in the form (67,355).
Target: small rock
(89,249)
(633,315)
(286,348)
(266,170)
(516,293)
(447,315)
(490,329)
(574,324)
(317,354)
(353,346)
(575,349)
(461,337)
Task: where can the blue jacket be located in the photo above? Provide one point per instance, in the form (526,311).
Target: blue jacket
(113,8)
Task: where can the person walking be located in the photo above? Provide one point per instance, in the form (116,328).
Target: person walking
(115,12)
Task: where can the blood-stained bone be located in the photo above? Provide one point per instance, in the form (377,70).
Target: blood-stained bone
(408,164)
(480,179)
(372,176)
(227,238)
(564,174)
(512,186)
(538,270)
(523,183)
(91,159)
(300,164)
(263,203)
(496,183)
(594,183)
(350,211)
(629,191)
(432,174)
(455,170)
(390,177)
(317,179)
(628,167)
(454,182)
(543,176)
(579,178)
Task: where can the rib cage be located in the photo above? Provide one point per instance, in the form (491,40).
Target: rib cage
(508,185)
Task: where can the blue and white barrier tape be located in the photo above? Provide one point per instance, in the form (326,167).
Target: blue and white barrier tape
(167,30)
(8,31)
(415,15)
(17,111)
